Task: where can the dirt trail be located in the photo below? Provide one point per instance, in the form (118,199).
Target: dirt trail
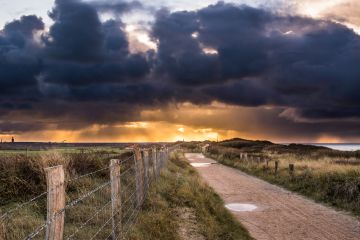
(188,227)
(280,214)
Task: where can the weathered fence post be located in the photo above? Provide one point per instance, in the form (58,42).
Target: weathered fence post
(55,202)
(139,177)
(291,169)
(166,156)
(153,152)
(145,154)
(115,198)
(276,166)
(158,162)
(162,153)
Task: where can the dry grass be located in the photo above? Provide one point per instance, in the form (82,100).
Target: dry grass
(325,178)
(319,166)
(22,177)
(180,187)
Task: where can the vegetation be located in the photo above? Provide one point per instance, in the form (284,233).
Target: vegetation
(325,175)
(191,146)
(22,178)
(178,192)
(177,198)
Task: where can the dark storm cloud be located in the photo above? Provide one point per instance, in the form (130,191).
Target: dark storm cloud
(117,6)
(78,65)
(82,50)
(19,127)
(19,63)
(81,70)
(24,27)
(263,59)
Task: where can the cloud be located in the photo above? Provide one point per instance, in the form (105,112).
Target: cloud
(263,59)
(19,63)
(117,6)
(80,72)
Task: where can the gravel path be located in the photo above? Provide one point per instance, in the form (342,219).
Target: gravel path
(280,214)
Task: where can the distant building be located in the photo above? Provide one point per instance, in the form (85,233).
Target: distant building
(12,139)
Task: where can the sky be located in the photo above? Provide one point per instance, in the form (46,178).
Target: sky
(136,71)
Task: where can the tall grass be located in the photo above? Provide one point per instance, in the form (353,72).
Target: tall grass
(22,177)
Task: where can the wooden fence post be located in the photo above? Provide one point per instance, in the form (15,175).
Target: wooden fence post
(153,152)
(139,177)
(291,169)
(115,198)
(146,168)
(158,162)
(276,166)
(55,179)
(166,156)
(161,159)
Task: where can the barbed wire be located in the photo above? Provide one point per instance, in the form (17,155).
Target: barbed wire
(87,175)
(127,171)
(150,170)
(87,221)
(103,226)
(127,224)
(88,194)
(97,171)
(129,198)
(129,183)
(71,204)
(6,214)
(68,206)
(22,205)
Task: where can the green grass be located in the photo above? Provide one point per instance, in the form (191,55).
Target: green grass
(180,187)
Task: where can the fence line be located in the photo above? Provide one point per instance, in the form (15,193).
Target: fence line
(119,199)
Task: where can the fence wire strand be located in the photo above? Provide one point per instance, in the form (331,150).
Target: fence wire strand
(87,221)
(147,169)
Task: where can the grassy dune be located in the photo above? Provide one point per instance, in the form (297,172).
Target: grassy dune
(325,175)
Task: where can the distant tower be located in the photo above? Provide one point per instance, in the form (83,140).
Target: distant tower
(12,139)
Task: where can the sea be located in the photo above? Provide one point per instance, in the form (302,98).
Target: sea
(339,146)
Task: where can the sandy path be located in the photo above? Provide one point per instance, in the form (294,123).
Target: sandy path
(280,214)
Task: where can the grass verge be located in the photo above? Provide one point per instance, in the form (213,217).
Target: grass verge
(180,187)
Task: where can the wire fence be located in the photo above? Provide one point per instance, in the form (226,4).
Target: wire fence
(102,204)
